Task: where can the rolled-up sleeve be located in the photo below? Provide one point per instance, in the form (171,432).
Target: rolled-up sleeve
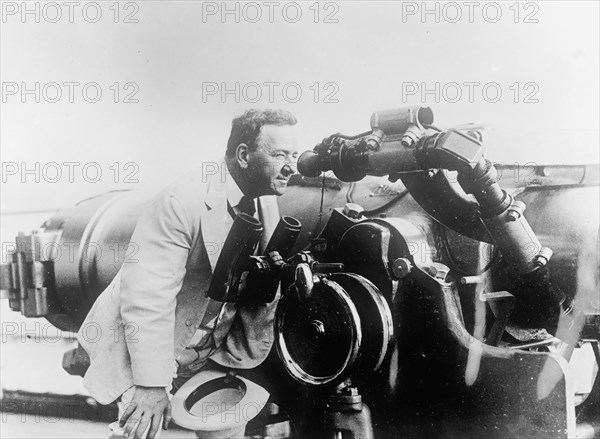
(151,278)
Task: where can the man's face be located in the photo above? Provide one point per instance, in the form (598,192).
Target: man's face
(274,161)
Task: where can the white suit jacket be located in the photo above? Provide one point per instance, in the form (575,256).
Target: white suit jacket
(141,324)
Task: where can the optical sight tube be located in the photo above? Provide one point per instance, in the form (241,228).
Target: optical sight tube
(235,257)
(284,237)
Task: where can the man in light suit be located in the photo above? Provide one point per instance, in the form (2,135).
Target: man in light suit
(155,317)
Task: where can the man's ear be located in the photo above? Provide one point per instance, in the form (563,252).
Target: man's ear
(242,155)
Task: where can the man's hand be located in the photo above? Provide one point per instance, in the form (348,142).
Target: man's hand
(148,405)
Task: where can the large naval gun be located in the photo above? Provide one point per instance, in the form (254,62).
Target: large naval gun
(426,292)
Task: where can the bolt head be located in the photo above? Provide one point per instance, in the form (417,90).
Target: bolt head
(353,210)
(513,215)
(543,257)
(401,268)
(540,261)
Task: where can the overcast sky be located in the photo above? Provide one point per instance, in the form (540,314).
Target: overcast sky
(359,57)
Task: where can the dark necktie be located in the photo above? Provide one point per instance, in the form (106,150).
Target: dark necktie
(246,205)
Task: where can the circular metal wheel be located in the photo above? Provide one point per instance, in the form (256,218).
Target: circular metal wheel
(318,338)
(377,324)
(344,328)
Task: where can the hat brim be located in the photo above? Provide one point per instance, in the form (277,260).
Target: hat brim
(212,418)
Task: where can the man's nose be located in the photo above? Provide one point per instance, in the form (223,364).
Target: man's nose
(289,168)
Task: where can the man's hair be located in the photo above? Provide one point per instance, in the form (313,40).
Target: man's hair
(246,128)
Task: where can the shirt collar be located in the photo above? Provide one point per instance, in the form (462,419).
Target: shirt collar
(232,190)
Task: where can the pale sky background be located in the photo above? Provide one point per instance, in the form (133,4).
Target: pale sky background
(369,54)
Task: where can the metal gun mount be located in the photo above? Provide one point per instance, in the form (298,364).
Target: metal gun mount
(384,342)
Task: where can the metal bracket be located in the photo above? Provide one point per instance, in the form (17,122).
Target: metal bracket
(505,305)
(27,280)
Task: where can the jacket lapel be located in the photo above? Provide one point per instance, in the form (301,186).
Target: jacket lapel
(216,221)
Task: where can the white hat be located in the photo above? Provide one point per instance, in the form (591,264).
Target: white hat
(217,404)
